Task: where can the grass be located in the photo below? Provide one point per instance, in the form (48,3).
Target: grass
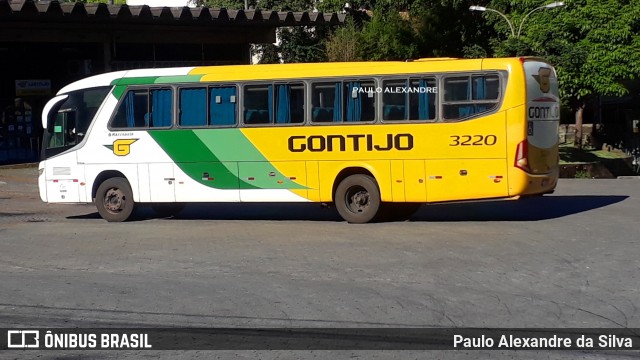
(572,155)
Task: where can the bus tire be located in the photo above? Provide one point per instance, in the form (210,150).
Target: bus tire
(114,199)
(357,199)
(164,210)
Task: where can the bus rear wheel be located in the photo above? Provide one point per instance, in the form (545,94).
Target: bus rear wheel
(114,200)
(357,199)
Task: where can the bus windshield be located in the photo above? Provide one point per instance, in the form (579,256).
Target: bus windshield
(68,121)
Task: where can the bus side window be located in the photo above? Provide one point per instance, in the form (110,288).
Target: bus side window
(193,107)
(360,100)
(466,96)
(258,107)
(143,108)
(161,108)
(409,100)
(274,104)
(326,103)
(292,103)
(289,103)
(395,101)
(423,99)
(222,105)
(132,110)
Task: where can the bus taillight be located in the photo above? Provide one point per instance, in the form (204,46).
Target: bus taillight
(522,159)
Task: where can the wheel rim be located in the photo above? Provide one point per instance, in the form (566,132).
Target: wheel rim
(114,200)
(357,199)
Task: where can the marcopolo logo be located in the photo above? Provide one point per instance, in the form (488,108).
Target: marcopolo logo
(121,147)
(23,339)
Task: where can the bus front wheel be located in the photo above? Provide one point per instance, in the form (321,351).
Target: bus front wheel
(357,198)
(114,199)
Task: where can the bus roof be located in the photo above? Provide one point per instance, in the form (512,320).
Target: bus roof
(232,73)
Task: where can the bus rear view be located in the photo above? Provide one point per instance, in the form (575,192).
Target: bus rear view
(537,155)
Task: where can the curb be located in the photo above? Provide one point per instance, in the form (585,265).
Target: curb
(629,177)
(19,166)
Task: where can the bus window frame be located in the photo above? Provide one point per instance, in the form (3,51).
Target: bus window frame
(148,88)
(208,87)
(178,107)
(236,123)
(409,77)
(343,80)
(271,122)
(502,78)
(310,84)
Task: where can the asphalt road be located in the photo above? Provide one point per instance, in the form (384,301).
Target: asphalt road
(570,259)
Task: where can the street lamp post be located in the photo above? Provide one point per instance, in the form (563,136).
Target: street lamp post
(552,5)
(482,8)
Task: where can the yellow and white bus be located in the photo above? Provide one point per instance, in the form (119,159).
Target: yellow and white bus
(377,139)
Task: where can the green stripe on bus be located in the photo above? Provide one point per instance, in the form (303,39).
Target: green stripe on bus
(213,158)
(231,145)
(118,91)
(195,159)
(121,84)
(178,79)
(145,80)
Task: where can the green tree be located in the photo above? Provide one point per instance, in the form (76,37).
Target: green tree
(388,37)
(594,45)
(344,43)
(269,53)
(447,28)
(301,44)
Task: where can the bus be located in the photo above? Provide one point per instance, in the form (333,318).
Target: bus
(374,139)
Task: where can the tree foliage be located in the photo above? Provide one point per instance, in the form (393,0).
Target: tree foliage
(594,45)
(301,44)
(388,37)
(344,43)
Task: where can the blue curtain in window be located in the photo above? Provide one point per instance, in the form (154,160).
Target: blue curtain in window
(283,104)
(354,105)
(131,120)
(270,101)
(464,111)
(162,105)
(423,101)
(224,111)
(481,92)
(193,107)
(481,88)
(337,103)
(406,101)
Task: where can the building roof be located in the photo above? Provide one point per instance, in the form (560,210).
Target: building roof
(54,11)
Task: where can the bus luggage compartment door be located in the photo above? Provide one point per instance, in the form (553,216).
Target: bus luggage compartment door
(162,182)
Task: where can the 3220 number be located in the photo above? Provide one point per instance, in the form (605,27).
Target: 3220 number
(473,140)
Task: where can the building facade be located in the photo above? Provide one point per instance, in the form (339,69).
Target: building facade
(45,45)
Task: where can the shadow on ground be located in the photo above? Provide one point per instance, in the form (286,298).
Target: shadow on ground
(528,209)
